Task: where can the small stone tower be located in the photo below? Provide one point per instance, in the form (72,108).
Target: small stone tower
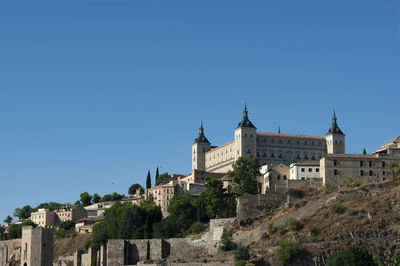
(200,146)
(37,246)
(335,138)
(245,137)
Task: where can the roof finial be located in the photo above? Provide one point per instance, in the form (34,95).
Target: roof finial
(201,129)
(245,106)
(334,113)
(279,129)
(245,110)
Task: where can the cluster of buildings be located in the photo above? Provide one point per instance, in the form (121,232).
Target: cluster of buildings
(286,160)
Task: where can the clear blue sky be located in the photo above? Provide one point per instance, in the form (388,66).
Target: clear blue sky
(95,93)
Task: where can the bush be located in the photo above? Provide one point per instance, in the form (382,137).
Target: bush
(338,208)
(226,243)
(347,181)
(293,224)
(242,253)
(270,228)
(281,229)
(288,250)
(197,227)
(353,255)
(240,263)
(296,193)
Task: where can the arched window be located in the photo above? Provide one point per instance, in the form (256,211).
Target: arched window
(278,177)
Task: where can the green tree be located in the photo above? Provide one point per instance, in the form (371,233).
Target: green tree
(52,206)
(288,249)
(24,212)
(86,199)
(15,230)
(157,175)
(364,151)
(2,233)
(161,178)
(112,197)
(77,203)
(242,253)
(148,180)
(244,175)
(8,219)
(67,225)
(353,255)
(213,197)
(132,189)
(96,198)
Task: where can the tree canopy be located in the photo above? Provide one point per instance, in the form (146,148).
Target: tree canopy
(132,189)
(148,180)
(8,219)
(85,199)
(161,178)
(112,197)
(24,212)
(353,255)
(244,175)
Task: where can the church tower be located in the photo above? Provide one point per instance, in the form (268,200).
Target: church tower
(245,137)
(335,138)
(200,146)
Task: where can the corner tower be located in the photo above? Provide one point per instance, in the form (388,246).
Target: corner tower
(200,146)
(335,138)
(245,137)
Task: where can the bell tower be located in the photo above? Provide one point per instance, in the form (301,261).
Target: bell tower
(245,136)
(200,146)
(335,138)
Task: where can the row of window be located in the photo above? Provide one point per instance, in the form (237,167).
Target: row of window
(362,172)
(297,157)
(309,170)
(298,142)
(336,162)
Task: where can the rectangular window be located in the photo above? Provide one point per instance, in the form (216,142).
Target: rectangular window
(361,172)
(334,162)
(370,173)
(361,163)
(309,169)
(302,169)
(370,164)
(383,173)
(383,164)
(335,171)
(317,170)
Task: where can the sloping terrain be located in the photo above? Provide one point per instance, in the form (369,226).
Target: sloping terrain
(67,246)
(328,221)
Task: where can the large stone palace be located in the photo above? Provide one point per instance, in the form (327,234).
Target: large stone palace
(269,148)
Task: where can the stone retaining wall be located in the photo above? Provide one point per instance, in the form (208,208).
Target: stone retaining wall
(248,206)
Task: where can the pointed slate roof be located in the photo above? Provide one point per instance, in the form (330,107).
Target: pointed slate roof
(245,120)
(201,138)
(334,128)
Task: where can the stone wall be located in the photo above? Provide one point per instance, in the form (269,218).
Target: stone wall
(184,250)
(115,252)
(10,252)
(248,206)
(299,185)
(216,229)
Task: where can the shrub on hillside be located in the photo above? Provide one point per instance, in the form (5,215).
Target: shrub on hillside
(226,243)
(241,263)
(197,227)
(242,253)
(293,224)
(353,255)
(271,228)
(288,250)
(338,208)
(281,229)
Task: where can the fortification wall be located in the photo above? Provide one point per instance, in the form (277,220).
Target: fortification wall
(248,206)
(10,252)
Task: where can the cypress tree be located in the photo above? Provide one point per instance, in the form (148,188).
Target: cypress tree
(157,175)
(364,151)
(148,180)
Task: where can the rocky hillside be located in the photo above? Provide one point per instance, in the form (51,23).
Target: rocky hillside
(325,222)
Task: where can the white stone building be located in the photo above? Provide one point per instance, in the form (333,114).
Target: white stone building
(304,170)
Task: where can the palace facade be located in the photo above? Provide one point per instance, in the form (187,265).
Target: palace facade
(269,148)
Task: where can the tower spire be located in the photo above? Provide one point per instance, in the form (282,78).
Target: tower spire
(201,138)
(279,129)
(334,127)
(245,120)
